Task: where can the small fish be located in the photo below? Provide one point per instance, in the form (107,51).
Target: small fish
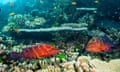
(36,52)
(96,1)
(41,1)
(11,13)
(16,30)
(99,45)
(74,3)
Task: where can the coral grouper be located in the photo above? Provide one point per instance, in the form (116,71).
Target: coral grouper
(36,52)
(99,44)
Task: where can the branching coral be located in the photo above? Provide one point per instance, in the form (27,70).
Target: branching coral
(82,65)
(50,69)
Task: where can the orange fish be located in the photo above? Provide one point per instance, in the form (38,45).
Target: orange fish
(36,52)
(74,3)
(16,30)
(99,44)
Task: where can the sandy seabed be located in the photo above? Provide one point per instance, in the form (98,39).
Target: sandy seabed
(111,66)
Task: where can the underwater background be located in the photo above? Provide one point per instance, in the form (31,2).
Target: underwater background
(59,36)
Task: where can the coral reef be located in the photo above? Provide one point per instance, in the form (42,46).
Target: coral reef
(39,21)
(94,33)
(81,65)
(23,21)
(62,38)
(10,27)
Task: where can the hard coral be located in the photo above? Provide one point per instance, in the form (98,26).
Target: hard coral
(9,27)
(39,21)
(82,65)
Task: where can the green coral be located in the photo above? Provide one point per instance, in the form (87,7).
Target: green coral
(55,24)
(61,56)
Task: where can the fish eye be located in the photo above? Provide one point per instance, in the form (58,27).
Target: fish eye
(94,39)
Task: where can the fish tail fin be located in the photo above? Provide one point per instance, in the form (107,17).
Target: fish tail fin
(15,55)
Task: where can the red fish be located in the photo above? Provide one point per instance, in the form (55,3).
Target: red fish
(36,52)
(99,44)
